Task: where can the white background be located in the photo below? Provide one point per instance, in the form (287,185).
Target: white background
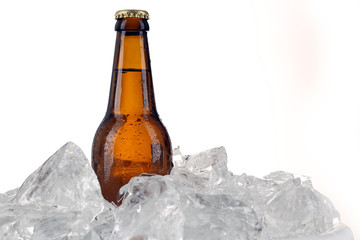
(275,82)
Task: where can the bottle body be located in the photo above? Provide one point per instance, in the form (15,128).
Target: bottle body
(125,147)
(131,138)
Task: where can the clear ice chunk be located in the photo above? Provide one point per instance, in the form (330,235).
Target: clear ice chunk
(151,209)
(200,199)
(294,208)
(58,201)
(65,180)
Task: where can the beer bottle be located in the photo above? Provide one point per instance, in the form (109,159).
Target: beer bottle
(131,139)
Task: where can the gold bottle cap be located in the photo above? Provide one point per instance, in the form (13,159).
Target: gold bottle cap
(132,13)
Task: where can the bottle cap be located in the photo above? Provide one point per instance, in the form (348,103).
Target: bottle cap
(132,13)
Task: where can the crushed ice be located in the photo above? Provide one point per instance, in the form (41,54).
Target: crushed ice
(200,199)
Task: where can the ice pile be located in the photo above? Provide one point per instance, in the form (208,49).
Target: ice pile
(201,199)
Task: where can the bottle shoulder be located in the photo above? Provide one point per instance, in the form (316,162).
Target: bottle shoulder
(145,125)
(122,119)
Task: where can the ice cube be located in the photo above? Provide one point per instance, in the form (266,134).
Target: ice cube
(294,208)
(66,180)
(58,201)
(151,209)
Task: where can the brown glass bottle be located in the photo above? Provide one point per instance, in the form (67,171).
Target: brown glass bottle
(131,139)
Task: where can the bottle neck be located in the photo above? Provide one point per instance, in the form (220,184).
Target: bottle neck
(131,88)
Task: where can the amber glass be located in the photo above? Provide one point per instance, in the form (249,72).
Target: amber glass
(131,139)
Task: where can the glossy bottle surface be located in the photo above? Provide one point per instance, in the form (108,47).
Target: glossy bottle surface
(131,138)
